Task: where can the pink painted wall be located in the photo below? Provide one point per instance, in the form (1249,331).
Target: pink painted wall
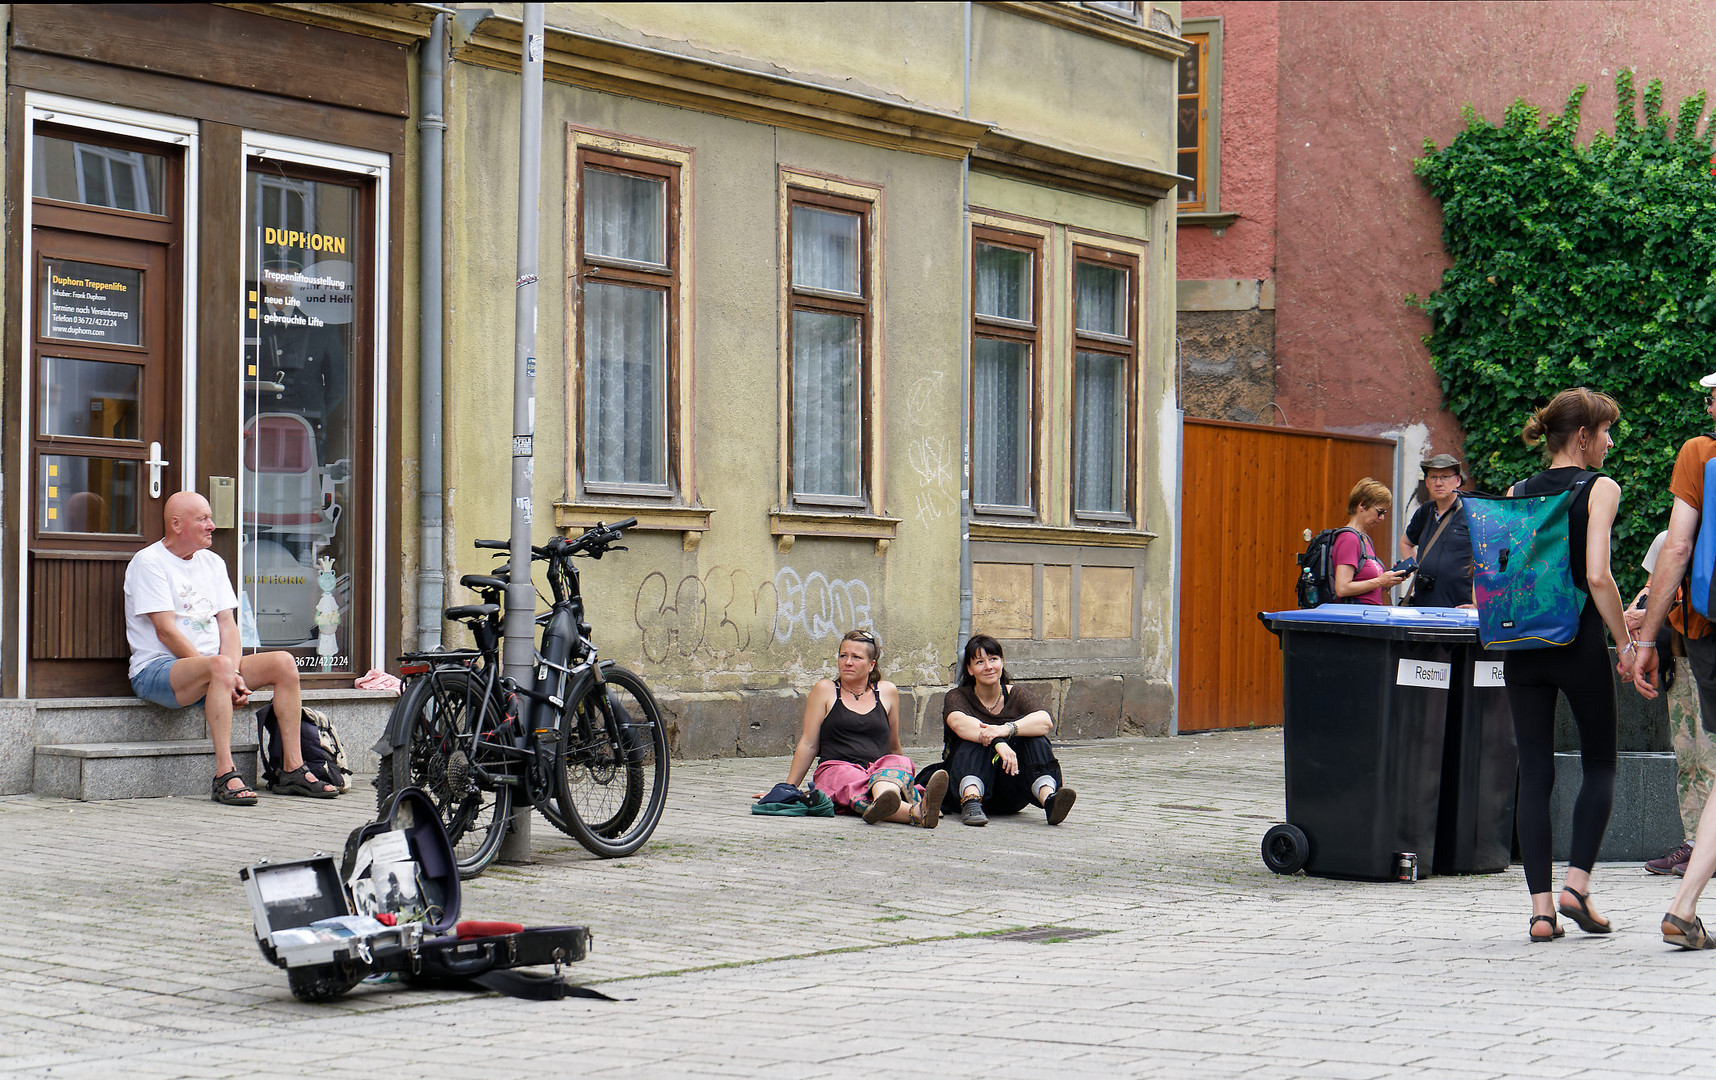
(1250,35)
(1362,85)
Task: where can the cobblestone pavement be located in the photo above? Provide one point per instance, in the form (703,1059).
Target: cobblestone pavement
(801,948)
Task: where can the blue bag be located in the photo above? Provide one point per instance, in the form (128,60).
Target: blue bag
(1522,576)
(1703,569)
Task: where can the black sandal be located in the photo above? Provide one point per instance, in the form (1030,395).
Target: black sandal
(239,796)
(1687,935)
(301,781)
(1582,913)
(1550,919)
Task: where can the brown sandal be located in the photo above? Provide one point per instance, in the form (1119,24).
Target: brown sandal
(1687,935)
(927,813)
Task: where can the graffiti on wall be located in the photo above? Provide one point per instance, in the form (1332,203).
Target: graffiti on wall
(725,611)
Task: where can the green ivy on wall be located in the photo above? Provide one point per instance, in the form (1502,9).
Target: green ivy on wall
(1578,266)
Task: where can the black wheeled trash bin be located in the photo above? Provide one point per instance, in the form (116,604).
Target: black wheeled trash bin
(1480,770)
(1365,697)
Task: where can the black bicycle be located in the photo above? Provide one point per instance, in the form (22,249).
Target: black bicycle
(584,745)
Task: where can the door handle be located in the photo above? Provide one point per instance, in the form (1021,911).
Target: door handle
(156,463)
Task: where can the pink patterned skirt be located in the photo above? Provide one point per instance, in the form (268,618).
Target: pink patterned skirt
(849,785)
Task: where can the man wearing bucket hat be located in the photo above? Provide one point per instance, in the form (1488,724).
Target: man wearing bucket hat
(1680,924)
(1437,537)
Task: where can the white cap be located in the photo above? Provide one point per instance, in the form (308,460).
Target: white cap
(1708,382)
(1649,561)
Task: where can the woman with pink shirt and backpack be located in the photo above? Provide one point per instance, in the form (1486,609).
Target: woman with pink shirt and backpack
(1360,577)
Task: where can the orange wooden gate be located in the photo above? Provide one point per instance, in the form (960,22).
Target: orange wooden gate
(1248,493)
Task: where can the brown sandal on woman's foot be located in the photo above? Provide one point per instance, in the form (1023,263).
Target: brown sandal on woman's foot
(1555,931)
(1581,914)
(927,813)
(1687,935)
(886,805)
(238,796)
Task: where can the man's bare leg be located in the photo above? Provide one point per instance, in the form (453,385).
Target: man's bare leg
(280,671)
(212,678)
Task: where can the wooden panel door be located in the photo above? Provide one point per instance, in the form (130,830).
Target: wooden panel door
(100,445)
(1248,494)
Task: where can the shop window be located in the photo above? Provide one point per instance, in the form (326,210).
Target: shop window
(1006,344)
(309,305)
(68,170)
(626,298)
(830,286)
(1104,373)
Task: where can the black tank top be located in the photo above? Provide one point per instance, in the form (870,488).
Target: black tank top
(1550,481)
(860,738)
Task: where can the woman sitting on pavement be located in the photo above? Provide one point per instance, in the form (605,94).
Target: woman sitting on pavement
(853,724)
(1360,577)
(996,742)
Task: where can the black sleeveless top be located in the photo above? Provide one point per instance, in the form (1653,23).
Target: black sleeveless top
(1551,481)
(860,738)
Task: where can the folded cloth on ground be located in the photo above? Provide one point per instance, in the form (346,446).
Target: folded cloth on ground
(814,804)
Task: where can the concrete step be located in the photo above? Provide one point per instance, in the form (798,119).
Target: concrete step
(40,737)
(1645,822)
(135,770)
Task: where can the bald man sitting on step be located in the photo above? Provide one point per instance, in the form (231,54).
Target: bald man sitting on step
(179,619)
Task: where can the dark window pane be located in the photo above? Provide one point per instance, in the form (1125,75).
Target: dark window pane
(1191,135)
(1190,192)
(1099,433)
(1189,71)
(88,302)
(99,175)
(87,495)
(89,398)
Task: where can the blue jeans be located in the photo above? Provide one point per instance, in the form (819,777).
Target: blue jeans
(155,683)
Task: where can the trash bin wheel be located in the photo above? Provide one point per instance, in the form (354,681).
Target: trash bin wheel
(1285,849)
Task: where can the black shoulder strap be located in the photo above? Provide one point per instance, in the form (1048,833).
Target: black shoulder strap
(523,984)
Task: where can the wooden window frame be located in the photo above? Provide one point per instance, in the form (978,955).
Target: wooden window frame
(1204,33)
(1031,333)
(1200,43)
(667,280)
(831,193)
(1111,345)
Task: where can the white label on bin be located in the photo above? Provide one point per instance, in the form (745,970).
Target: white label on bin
(1487,673)
(1424,673)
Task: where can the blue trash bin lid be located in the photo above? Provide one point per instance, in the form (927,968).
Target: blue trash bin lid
(1373,620)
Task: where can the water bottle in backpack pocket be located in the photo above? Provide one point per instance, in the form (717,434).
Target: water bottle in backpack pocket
(1522,574)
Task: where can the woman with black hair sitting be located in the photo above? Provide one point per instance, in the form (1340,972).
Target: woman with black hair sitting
(995,740)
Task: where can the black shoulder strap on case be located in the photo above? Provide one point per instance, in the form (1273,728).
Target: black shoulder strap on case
(522,984)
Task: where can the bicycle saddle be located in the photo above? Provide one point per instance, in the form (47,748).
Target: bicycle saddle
(472,612)
(483,583)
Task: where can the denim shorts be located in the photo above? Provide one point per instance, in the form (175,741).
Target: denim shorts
(155,683)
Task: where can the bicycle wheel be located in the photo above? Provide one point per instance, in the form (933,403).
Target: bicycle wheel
(443,707)
(613,769)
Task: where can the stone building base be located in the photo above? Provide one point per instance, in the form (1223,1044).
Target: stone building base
(765,723)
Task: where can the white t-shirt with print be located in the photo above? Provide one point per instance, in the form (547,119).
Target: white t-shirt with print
(194,589)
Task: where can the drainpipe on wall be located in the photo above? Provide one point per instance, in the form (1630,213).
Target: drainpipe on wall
(965,365)
(431,573)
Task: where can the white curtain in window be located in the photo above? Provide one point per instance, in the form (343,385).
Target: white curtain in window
(1002,288)
(1099,299)
(825,247)
(625,217)
(1099,433)
(825,399)
(1001,423)
(625,394)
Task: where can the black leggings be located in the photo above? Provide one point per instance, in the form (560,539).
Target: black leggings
(1002,794)
(1582,671)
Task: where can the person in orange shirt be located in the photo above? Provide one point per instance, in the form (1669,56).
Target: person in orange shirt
(1680,924)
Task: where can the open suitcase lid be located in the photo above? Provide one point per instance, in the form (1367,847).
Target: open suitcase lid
(411,812)
(309,910)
